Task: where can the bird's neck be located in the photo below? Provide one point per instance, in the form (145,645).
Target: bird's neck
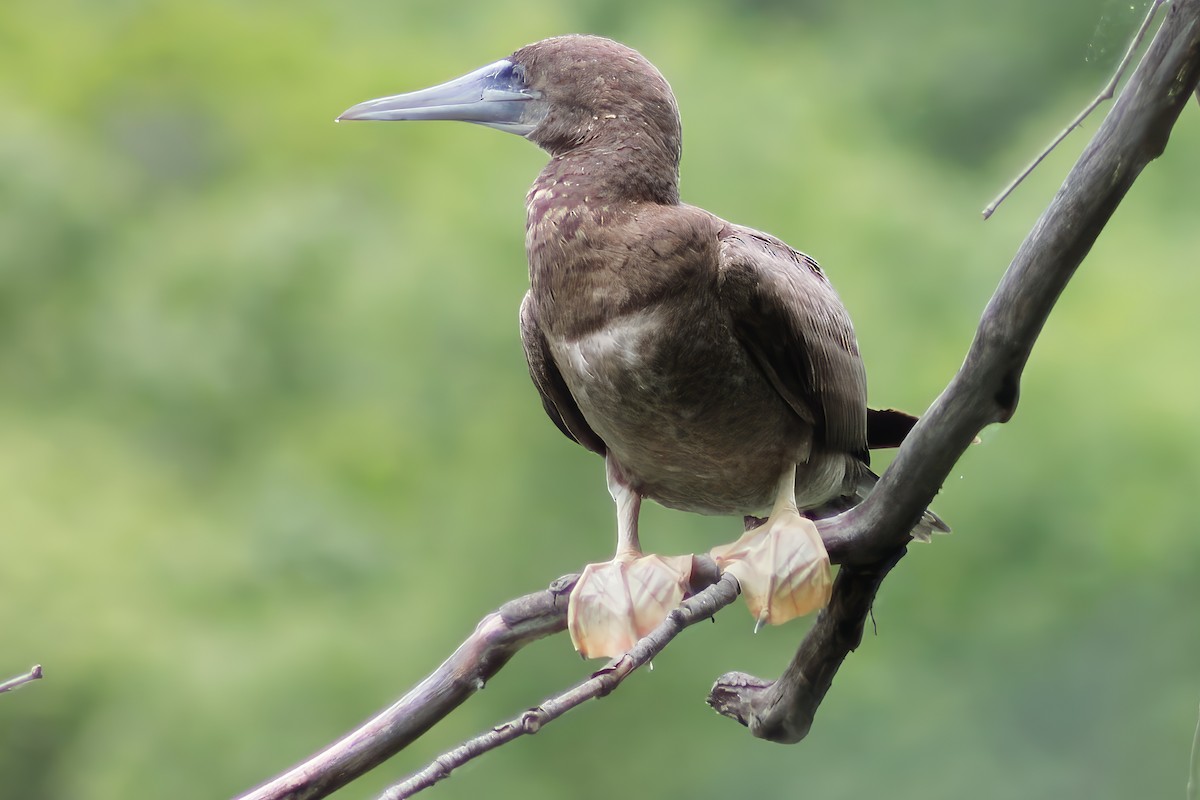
(597,188)
(597,251)
(633,168)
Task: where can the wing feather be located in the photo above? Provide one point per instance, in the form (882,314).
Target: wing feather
(795,327)
(560,405)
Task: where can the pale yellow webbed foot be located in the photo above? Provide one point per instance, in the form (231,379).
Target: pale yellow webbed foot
(617,603)
(781,565)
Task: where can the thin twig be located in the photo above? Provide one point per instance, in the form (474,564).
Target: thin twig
(19,681)
(1105,94)
(1193,786)
(695,609)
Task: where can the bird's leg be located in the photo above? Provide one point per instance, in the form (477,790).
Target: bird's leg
(629,507)
(781,565)
(616,603)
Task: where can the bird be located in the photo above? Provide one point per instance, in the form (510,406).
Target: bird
(711,365)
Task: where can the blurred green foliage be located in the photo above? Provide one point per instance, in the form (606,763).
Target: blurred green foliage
(268,448)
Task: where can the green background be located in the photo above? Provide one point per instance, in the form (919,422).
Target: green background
(268,448)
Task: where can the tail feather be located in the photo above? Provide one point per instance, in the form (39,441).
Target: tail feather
(929,524)
(887,427)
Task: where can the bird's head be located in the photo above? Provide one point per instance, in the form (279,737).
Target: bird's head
(561,93)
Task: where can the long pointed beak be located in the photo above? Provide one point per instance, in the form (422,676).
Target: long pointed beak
(495,95)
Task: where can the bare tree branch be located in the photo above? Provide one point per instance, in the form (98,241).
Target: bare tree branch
(869,539)
(695,609)
(1105,94)
(496,638)
(13,683)
(986,388)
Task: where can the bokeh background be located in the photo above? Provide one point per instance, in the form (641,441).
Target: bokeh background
(268,448)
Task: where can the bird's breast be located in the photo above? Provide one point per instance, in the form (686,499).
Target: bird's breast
(692,422)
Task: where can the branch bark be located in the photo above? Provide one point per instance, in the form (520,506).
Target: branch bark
(868,540)
(987,386)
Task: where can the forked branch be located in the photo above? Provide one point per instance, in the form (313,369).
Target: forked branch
(987,386)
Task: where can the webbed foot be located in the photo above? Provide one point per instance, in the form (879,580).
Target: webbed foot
(616,603)
(781,565)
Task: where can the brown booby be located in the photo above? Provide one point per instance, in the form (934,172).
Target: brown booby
(712,366)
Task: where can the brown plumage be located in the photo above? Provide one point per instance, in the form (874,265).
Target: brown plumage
(706,361)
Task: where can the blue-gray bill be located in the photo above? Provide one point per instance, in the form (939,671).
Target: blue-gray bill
(495,96)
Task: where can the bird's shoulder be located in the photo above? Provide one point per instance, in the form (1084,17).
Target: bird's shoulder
(745,250)
(761,274)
